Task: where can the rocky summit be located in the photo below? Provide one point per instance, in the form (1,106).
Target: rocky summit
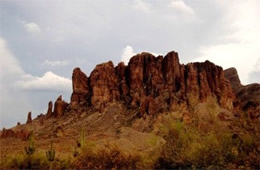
(163,114)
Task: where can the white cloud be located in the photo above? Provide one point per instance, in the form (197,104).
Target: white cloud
(49,82)
(56,63)
(32,27)
(181,7)
(244,52)
(128,52)
(143,6)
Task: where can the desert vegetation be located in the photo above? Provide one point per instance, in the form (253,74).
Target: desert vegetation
(188,144)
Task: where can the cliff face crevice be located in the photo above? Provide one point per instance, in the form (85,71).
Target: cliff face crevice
(152,84)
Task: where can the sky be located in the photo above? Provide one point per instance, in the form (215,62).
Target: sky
(41,41)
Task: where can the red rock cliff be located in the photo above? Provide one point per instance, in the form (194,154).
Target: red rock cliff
(152,84)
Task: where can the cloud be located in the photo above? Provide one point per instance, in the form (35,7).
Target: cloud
(242,47)
(181,7)
(143,6)
(32,27)
(56,63)
(128,52)
(48,82)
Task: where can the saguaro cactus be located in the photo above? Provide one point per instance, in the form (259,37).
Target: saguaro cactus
(50,154)
(82,140)
(30,149)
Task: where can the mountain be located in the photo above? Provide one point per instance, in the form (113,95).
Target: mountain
(128,105)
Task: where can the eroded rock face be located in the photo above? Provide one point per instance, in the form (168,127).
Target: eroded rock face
(80,93)
(154,84)
(29,118)
(104,85)
(247,97)
(59,107)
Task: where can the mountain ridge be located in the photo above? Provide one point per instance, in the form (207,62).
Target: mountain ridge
(152,85)
(142,82)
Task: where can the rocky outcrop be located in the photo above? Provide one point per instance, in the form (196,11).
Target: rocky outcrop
(20,134)
(80,93)
(59,107)
(247,97)
(104,85)
(49,111)
(152,84)
(29,118)
(8,133)
(232,75)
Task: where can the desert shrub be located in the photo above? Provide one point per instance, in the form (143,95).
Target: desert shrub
(22,161)
(189,145)
(106,158)
(186,147)
(36,161)
(61,163)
